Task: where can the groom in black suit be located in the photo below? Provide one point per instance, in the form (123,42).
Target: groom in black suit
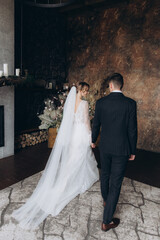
(116,115)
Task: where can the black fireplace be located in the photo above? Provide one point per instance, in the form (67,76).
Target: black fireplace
(1,126)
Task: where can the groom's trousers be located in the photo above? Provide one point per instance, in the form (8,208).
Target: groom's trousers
(112,174)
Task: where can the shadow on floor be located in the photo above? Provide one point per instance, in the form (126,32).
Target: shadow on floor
(28,161)
(145,168)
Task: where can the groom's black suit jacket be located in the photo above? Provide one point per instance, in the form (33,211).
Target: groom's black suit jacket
(116,115)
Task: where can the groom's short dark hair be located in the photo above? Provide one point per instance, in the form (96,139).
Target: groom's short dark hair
(117,80)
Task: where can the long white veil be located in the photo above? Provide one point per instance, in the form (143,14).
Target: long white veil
(40,204)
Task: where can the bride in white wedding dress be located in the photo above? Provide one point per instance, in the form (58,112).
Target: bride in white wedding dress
(71,168)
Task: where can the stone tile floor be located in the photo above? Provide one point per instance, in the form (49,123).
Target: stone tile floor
(138,209)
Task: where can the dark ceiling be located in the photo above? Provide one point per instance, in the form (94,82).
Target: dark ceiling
(70,5)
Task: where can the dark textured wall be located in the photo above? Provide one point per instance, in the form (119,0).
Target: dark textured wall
(44,51)
(123,39)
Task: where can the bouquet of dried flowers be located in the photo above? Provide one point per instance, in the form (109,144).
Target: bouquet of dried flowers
(53,111)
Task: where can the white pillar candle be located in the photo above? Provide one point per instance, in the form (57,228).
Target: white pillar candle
(5,69)
(17,72)
(50,85)
(1,73)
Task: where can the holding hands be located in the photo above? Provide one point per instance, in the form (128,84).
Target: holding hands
(132,157)
(93,145)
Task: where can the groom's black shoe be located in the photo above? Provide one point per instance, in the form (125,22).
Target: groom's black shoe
(107,227)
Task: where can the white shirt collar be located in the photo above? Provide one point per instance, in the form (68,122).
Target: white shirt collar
(117,91)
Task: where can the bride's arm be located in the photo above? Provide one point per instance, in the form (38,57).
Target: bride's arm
(86,117)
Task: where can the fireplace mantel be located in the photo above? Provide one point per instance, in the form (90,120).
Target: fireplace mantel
(11,81)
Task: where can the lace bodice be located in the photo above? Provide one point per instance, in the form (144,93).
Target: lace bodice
(82,115)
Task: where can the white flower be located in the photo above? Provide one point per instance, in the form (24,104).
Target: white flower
(44,126)
(46,112)
(53,114)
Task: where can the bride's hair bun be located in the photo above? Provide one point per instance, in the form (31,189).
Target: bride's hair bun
(81,86)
